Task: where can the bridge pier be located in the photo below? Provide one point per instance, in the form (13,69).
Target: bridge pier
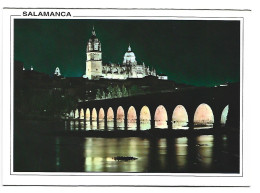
(126,124)
(115,123)
(90,120)
(191,125)
(138,123)
(105,123)
(152,124)
(216,125)
(169,123)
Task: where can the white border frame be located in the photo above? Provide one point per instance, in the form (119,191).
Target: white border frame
(161,179)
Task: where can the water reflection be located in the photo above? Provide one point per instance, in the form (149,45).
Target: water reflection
(99,153)
(181,149)
(101,125)
(145,125)
(132,125)
(76,125)
(161,124)
(120,124)
(79,124)
(87,125)
(94,125)
(193,154)
(180,125)
(110,125)
(154,155)
(205,145)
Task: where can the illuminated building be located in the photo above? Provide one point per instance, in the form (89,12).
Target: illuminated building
(129,68)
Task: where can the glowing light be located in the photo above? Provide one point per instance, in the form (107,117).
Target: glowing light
(179,118)
(160,117)
(110,114)
(145,115)
(94,114)
(224,115)
(120,114)
(131,114)
(131,118)
(203,115)
(205,151)
(76,114)
(72,114)
(87,114)
(82,114)
(181,149)
(101,114)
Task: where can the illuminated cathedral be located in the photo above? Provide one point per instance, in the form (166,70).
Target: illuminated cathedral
(96,69)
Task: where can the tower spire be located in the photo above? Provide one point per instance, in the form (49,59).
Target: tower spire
(129,48)
(93,31)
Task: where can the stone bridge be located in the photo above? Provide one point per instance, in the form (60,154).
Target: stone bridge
(185,108)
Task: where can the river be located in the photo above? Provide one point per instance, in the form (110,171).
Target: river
(37,148)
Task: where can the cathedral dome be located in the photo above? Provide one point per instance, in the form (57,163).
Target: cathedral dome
(129,57)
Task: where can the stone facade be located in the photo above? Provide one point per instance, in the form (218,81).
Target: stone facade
(129,68)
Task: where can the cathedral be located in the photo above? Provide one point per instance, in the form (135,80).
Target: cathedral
(95,69)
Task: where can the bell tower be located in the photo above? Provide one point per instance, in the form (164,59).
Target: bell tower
(94,58)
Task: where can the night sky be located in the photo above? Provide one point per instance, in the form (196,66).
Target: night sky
(202,53)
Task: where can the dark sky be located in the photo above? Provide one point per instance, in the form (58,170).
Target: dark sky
(202,53)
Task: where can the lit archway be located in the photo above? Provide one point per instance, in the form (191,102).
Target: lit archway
(120,118)
(87,114)
(131,114)
(110,119)
(120,114)
(145,115)
(145,118)
(179,118)
(101,114)
(224,115)
(203,116)
(81,115)
(160,117)
(71,114)
(94,114)
(131,118)
(110,114)
(76,114)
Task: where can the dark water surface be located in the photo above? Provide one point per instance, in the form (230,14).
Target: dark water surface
(38,149)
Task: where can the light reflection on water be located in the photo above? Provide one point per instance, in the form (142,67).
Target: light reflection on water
(181,149)
(99,153)
(205,144)
(179,125)
(34,151)
(145,125)
(131,125)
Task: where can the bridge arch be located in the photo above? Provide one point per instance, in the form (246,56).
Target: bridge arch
(71,114)
(110,119)
(179,117)
(224,115)
(101,114)
(131,118)
(81,114)
(120,113)
(94,114)
(120,118)
(87,114)
(161,117)
(145,115)
(131,114)
(110,114)
(203,116)
(76,115)
(145,118)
